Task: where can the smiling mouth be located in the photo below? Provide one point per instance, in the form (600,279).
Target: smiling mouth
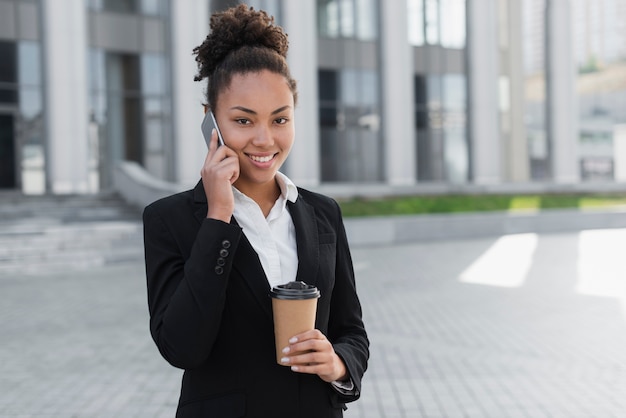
(265,159)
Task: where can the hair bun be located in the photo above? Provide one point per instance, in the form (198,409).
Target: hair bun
(237,27)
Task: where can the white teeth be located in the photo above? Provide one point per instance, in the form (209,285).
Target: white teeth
(261,159)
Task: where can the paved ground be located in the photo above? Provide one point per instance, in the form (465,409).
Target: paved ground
(513,326)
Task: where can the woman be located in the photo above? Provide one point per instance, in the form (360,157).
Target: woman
(213,253)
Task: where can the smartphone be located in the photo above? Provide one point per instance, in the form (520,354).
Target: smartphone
(208,124)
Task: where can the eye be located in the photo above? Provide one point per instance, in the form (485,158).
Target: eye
(281,121)
(242,121)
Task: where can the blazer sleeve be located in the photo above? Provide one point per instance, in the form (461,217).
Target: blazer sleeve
(186,286)
(346,330)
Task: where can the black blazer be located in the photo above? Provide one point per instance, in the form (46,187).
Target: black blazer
(210,310)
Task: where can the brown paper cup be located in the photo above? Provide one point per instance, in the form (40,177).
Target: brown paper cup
(294,306)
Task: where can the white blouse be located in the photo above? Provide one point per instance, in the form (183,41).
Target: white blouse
(273,238)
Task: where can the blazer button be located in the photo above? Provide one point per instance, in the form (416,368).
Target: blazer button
(219,270)
(221,261)
(226,244)
(223,253)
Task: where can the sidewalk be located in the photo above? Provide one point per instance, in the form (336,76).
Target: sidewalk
(516,326)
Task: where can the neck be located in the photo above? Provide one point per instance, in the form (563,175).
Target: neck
(264,195)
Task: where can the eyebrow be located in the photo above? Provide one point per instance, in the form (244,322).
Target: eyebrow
(252,112)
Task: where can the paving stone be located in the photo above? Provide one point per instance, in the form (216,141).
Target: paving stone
(75,339)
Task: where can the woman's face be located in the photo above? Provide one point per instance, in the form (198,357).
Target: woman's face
(256,117)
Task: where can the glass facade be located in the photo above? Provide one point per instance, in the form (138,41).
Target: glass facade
(601,85)
(130,112)
(130,107)
(533,37)
(349,120)
(437,22)
(146,7)
(441,127)
(440,95)
(130,104)
(349,92)
(272,7)
(22,149)
(348,19)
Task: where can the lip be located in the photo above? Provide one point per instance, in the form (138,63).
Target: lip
(262,160)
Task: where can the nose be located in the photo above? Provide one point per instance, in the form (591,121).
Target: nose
(264,137)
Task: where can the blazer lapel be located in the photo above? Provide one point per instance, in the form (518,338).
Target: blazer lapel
(307,240)
(248,265)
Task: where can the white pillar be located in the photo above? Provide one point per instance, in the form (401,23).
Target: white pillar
(398,102)
(190,26)
(518,163)
(561,92)
(483,77)
(303,164)
(66,103)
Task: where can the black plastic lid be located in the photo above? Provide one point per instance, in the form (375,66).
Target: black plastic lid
(295,291)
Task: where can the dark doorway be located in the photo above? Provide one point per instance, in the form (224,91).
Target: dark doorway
(7,153)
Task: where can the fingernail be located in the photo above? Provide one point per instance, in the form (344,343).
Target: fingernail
(294,368)
(293,340)
(286,350)
(284,360)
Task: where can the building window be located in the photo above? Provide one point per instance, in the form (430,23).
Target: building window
(348,19)
(437,22)
(130,111)
(441,128)
(600,51)
(350,126)
(22,156)
(145,7)
(533,38)
(272,7)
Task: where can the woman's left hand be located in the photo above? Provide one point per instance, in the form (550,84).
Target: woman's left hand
(312,353)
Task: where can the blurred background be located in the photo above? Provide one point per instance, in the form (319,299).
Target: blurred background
(398,93)
(514,314)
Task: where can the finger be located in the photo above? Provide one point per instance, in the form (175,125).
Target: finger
(309,345)
(213,141)
(311,363)
(307,358)
(313,334)
(313,340)
(235,175)
(307,369)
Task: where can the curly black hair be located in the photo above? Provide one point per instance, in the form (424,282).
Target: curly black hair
(242,40)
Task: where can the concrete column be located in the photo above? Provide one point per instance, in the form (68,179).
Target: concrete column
(483,74)
(518,164)
(562,112)
(190,26)
(303,164)
(65,94)
(398,102)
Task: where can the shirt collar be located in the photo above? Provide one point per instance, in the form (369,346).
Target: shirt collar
(288,190)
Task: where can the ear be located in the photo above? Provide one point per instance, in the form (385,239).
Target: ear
(205,108)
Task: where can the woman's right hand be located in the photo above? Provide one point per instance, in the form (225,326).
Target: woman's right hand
(219,172)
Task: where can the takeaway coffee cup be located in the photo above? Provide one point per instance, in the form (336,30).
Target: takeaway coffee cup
(294,305)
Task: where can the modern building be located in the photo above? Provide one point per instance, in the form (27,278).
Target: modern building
(397,93)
